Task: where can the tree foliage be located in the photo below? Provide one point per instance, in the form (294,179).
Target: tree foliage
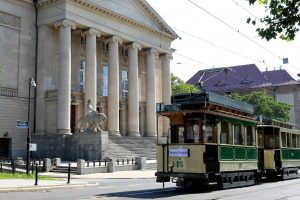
(282,19)
(265,105)
(180,87)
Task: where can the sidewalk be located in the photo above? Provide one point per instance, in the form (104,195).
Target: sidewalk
(14,185)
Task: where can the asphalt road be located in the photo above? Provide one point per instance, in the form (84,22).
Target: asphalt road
(149,189)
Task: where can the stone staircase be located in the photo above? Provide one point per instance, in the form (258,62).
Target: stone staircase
(128,147)
(64,169)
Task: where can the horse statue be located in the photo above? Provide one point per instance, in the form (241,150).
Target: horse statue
(91,121)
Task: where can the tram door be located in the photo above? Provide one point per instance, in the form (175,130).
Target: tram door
(5,146)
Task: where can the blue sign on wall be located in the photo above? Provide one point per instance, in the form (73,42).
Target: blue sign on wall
(22,124)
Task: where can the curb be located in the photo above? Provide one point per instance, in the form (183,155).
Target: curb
(47,187)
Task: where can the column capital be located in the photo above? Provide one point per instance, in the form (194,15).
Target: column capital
(65,22)
(134,45)
(151,51)
(167,55)
(114,39)
(92,31)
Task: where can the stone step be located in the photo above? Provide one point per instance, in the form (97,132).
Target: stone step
(64,169)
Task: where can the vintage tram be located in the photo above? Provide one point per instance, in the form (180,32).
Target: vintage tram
(215,140)
(279,150)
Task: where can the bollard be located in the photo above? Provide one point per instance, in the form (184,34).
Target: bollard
(122,161)
(36,174)
(40,162)
(99,162)
(69,172)
(117,161)
(132,161)
(94,163)
(13,166)
(88,163)
(127,161)
(104,162)
(1,167)
(32,167)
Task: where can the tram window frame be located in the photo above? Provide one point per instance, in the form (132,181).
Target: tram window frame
(240,134)
(225,133)
(249,131)
(283,139)
(180,134)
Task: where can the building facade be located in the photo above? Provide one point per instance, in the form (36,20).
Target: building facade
(115,54)
(246,78)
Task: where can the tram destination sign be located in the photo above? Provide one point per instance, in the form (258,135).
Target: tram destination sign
(179,152)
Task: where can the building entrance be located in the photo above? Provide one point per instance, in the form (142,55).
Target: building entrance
(5,146)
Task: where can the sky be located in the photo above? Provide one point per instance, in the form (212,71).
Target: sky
(214,33)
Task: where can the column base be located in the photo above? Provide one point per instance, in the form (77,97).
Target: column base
(151,135)
(64,131)
(134,134)
(114,133)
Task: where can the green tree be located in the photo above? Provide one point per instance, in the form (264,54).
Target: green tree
(282,19)
(178,86)
(265,105)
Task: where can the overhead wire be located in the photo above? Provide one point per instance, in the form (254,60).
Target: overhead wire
(234,29)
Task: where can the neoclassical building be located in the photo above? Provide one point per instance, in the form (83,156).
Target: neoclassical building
(115,54)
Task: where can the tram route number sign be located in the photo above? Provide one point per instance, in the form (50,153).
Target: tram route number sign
(179,152)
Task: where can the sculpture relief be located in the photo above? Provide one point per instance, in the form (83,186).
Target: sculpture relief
(91,121)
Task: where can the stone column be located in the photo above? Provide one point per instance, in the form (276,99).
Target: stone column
(45,60)
(133,90)
(150,93)
(166,89)
(64,76)
(91,69)
(113,86)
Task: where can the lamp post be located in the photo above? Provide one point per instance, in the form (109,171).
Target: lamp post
(31,84)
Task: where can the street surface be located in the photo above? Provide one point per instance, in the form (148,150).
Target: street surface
(147,188)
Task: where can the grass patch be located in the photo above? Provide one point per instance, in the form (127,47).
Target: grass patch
(18,175)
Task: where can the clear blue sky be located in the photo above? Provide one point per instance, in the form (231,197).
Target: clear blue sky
(214,33)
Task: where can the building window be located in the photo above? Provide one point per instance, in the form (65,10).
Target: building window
(104,83)
(105,46)
(82,40)
(82,75)
(124,84)
(124,51)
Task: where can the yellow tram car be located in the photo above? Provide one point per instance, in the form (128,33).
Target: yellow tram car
(212,140)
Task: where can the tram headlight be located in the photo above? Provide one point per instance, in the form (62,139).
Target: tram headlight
(171,164)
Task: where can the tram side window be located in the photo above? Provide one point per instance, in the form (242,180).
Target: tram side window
(209,135)
(250,134)
(238,134)
(260,137)
(226,136)
(294,140)
(288,139)
(283,139)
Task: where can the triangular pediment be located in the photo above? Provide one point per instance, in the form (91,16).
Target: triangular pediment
(139,11)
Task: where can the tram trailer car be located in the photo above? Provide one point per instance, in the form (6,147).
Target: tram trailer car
(279,149)
(212,141)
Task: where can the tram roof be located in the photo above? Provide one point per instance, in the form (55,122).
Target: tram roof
(188,101)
